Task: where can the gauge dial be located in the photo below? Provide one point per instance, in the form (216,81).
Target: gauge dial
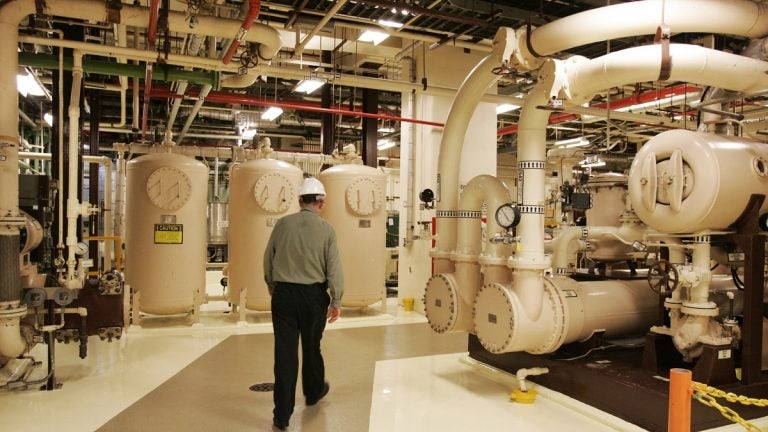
(508,215)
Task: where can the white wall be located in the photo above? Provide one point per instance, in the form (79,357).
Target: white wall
(420,149)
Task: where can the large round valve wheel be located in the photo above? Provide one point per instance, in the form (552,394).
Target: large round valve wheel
(663,277)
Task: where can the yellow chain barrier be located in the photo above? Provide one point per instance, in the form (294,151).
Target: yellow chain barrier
(707,394)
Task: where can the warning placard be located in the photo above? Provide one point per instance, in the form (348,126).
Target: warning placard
(169,233)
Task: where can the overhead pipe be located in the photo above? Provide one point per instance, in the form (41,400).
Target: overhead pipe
(735,17)
(193,48)
(254,7)
(298,50)
(154,14)
(191,117)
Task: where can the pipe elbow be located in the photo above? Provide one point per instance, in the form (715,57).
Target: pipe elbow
(11,343)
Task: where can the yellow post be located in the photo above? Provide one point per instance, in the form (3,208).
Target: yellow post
(679,400)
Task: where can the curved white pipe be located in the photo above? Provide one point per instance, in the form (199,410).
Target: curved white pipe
(11,342)
(561,246)
(736,17)
(692,63)
(463,107)
(73,204)
(491,191)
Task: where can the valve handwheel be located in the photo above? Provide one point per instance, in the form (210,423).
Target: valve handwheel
(663,277)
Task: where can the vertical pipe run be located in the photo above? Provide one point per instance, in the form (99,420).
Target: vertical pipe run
(679,400)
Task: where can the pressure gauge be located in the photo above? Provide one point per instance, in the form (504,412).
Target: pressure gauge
(81,248)
(508,215)
(169,188)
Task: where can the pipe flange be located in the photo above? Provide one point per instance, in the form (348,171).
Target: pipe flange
(493,317)
(488,260)
(673,304)
(525,263)
(708,309)
(441,302)
(464,258)
(13,312)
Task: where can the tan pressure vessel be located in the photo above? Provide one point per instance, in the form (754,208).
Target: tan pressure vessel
(685,182)
(165,245)
(355,207)
(609,197)
(261,192)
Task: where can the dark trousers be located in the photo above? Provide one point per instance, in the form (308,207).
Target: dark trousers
(298,311)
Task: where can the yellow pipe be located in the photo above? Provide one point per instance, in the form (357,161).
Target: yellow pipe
(118,248)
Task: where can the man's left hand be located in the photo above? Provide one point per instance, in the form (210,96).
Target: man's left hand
(333,314)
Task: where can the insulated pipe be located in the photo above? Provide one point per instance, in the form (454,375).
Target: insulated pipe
(479,80)
(72,280)
(488,190)
(530,260)
(299,49)
(692,63)
(121,37)
(561,246)
(253,13)
(154,12)
(736,17)
(191,117)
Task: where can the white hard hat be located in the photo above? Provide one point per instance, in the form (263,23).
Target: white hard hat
(311,186)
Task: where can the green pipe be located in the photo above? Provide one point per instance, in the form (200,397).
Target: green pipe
(160,72)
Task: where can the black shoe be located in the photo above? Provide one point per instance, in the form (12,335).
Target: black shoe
(279,425)
(326,388)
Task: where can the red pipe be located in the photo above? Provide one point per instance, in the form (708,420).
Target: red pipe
(236,98)
(637,98)
(254,7)
(154,13)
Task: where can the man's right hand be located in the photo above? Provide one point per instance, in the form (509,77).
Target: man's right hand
(333,314)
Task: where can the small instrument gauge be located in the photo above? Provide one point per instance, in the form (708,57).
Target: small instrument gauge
(81,248)
(508,215)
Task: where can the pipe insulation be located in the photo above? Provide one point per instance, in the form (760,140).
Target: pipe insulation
(691,63)
(479,80)
(14,11)
(735,17)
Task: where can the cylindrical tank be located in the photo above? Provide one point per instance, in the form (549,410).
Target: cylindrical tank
(608,193)
(684,182)
(572,312)
(218,221)
(355,207)
(261,192)
(165,245)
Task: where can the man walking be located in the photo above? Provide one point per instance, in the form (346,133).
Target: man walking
(301,263)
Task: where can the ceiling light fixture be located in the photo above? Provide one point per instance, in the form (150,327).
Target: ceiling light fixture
(28,85)
(48,117)
(390,23)
(573,142)
(506,107)
(271,113)
(373,36)
(308,85)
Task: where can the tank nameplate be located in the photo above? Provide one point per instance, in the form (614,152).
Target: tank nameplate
(273,192)
(169,234)
(364,223)
(364,196)
(169,188)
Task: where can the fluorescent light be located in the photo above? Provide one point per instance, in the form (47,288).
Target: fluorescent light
(48,117)
(506,107)
(385,144)
(308,85)
(386,129)
(573,142)
(28,85)
(248,133)
(390,23)
(373,36)
(271,113)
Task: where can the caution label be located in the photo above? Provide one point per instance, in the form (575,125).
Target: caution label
(169,233)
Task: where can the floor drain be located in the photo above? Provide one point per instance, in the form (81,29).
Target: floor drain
(263,387)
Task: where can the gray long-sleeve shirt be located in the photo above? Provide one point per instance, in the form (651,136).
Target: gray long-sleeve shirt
(302,249)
